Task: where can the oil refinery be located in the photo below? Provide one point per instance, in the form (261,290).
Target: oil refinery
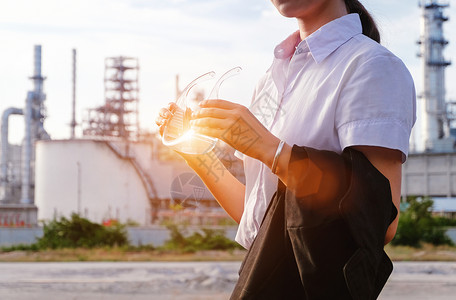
(115,171)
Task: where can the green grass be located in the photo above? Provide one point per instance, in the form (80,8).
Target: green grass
(147,253)
(118,254)
(426,252)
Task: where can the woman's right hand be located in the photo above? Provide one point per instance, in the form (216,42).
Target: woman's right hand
(164,115)
(162,120)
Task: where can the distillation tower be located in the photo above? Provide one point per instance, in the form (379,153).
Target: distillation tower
(430,169)
(435,119)
(17,208)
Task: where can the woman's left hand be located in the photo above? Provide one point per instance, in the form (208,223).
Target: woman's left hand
(237,126)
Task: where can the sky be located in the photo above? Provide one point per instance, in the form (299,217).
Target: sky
(185,37)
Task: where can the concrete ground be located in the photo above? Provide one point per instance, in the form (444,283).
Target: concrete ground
(421,281)
(186,281)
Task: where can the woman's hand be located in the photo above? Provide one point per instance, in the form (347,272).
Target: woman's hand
(162,120)
(164,115)
(229,192)
(237,126)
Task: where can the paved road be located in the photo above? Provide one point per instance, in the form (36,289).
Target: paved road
(421,281)
(185,281)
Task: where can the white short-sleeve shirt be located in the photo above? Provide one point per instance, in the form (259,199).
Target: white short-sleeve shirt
(336,88)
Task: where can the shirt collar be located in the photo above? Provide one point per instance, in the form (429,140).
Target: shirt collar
(325,40)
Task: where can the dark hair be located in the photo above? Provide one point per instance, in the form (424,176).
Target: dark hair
(369,27)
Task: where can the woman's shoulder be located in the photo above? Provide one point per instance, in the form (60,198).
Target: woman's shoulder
(362,54)
(364,50)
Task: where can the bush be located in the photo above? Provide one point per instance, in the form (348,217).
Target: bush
(437,236)
(20,247)
(416,225)
(206,239)
(442,221)
(80,232)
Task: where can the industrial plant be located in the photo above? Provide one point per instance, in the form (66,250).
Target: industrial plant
(117,171)
(430,169)
(114,171)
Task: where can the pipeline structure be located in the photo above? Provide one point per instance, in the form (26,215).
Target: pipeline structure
(14,210)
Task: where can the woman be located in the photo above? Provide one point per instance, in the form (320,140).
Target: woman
(331,87)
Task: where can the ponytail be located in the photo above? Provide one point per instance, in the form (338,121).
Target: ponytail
(369,27)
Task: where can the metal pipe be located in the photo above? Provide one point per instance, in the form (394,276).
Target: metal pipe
(73,119)
(27,147)
(433,106)
(34,129)
(79,188)
(37,78)
(5,148)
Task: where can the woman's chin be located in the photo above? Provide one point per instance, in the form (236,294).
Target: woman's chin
(288,10)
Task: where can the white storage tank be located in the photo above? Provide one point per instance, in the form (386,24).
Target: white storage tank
(86,176)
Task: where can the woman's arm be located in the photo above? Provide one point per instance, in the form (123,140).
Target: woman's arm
(387,161)
(226,189)
(237,126)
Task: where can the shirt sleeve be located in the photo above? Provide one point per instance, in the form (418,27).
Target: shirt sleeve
(239,155)
(377,105)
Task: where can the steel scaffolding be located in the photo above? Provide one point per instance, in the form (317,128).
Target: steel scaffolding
(118,117)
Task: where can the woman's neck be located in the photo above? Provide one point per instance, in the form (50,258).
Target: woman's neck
(320,16)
